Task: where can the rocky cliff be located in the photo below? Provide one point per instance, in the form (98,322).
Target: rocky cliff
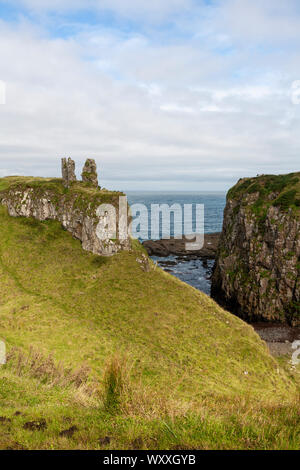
(257,270)
(76,207)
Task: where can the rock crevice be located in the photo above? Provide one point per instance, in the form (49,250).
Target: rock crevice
(257,270)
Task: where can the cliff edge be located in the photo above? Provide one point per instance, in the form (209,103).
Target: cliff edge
(76,207)
(257,270)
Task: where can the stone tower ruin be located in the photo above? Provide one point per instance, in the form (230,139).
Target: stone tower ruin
(89,173)
(68,171)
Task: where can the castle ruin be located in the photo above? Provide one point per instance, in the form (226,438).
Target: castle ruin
(89,172)
(68,171)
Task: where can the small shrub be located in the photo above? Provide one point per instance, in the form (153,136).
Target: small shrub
(99,261)
(286,199)
(30,222)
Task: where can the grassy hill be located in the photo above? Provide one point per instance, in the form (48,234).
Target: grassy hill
(102,354)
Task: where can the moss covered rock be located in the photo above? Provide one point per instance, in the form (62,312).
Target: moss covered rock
(257,270)
(75,207)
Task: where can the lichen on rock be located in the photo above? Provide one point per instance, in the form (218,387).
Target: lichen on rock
(75,207)
(257,270)
(68,171)
(89,173)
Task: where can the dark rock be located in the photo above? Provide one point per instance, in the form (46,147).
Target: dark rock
(156,249)
(163,248)
(3,419)
(68,432)
(137,444)
(257,270)
(276,333)
(167,263)
(38,425)
(104,441)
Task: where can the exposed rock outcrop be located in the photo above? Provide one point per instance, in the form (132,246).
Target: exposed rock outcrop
(89,173)
(77,208)
(178,247)
(68,171)
(257,270)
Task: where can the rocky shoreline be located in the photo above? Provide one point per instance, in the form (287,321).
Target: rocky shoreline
(279,337)
(164,248)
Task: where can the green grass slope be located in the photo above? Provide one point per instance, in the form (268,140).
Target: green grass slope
(105,355)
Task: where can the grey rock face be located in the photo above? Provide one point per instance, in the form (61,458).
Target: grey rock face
(257,270)
(68,171)
(77,213)
(89,173)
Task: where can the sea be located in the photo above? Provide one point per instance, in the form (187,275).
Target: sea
(195,272)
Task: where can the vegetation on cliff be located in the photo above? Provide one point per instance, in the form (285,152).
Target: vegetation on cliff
(257,272)
(75,205)
(85,195)
(103,353)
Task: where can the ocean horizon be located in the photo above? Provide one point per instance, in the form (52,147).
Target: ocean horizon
(213,201)
(192,271)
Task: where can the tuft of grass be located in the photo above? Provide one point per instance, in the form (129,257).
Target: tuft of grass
(114,384)
(286,200)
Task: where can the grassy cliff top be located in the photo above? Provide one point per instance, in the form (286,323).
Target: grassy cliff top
(82,195)
(278,190)
(137,359)
(55,185)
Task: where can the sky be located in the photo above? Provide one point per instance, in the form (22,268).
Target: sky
(165,95)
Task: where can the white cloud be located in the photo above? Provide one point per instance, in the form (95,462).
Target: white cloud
(154,113)
(264,21)
(175,108)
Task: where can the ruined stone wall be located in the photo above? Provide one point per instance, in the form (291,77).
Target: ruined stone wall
(257,270)
(89,173)
(68,171)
